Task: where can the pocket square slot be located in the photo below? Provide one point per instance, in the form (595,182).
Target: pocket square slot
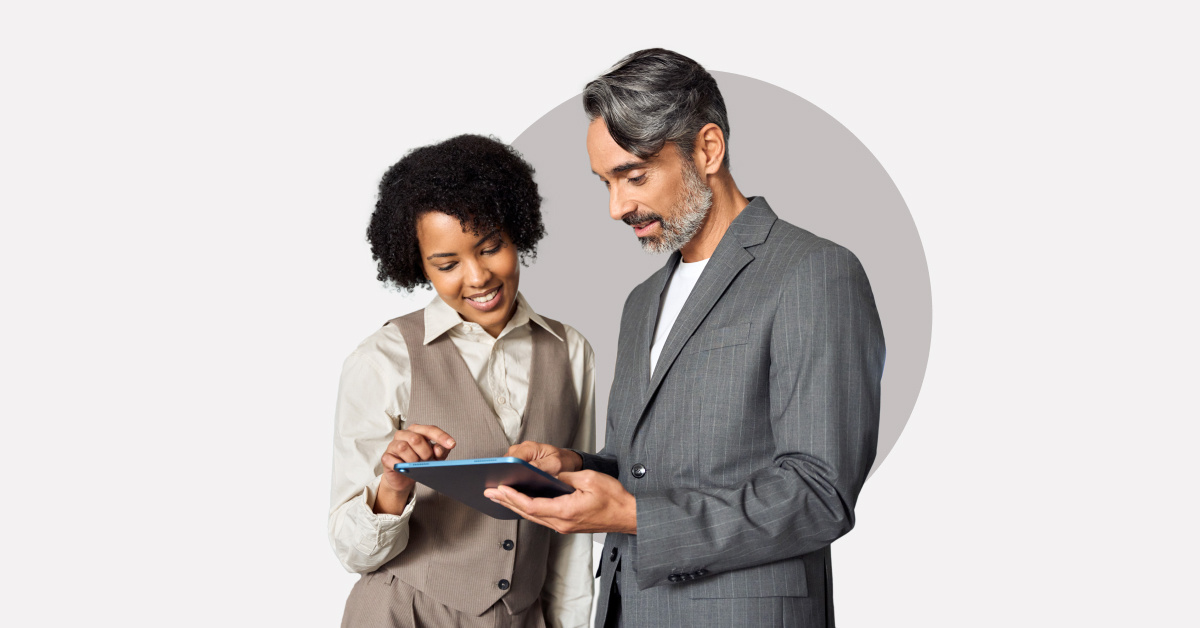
(720,337)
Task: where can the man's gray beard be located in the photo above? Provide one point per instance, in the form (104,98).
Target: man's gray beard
(688,215)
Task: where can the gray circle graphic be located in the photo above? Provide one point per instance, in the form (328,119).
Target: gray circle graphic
(812,170)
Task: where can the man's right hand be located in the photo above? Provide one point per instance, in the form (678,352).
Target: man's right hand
(415,443)
(548,458)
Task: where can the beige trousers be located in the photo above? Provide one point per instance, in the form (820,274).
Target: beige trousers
(381,600)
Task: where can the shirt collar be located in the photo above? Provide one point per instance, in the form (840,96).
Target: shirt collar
(441,318)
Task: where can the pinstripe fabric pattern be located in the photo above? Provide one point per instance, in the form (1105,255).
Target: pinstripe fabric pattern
(756,432)
(455,557)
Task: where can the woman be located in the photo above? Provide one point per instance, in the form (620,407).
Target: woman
(474,372)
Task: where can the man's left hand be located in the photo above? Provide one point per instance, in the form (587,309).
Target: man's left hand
(599,504)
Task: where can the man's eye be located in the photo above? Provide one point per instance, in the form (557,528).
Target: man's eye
(638,180)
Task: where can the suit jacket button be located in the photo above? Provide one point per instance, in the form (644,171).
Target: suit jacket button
(503,584)
(638,470)
(613,554)
(673,578)
(508,544)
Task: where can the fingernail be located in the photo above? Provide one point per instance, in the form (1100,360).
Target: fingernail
(450,442)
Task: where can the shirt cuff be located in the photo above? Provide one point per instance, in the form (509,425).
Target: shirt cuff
(376,537)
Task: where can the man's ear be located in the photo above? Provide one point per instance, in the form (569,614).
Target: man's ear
(709,151)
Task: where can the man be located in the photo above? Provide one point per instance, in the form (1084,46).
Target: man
(744,413)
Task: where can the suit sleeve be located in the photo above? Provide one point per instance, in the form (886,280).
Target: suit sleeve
(605,463)
(827,354)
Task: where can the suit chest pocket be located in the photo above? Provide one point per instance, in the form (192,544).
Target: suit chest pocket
(718,338)
(717,381)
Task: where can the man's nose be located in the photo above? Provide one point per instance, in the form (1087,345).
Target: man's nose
(618,204)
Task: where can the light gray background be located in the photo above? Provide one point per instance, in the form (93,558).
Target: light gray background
(812,170)
(184,194)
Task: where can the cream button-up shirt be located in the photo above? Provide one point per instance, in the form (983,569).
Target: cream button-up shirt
(372,404)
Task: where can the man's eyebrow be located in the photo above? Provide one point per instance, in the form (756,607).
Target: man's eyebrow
(491,234)
(625,167)
(629,165)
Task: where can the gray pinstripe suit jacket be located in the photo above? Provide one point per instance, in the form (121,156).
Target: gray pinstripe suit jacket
(755,432)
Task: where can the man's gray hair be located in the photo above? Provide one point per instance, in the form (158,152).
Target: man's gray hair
(657,96)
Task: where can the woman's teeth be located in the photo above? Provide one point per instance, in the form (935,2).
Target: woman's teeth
(485,298)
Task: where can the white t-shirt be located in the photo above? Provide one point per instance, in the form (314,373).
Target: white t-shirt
(679,286)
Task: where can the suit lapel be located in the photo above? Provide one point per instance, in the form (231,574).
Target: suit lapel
(717,275)
(651,307)
(750,228)
(641,335)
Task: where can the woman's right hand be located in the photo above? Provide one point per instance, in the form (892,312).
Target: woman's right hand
(415,443)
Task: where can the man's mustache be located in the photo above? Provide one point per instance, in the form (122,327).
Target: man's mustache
(639,219)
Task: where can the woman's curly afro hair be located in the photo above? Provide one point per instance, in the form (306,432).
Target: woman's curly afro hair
(482,182)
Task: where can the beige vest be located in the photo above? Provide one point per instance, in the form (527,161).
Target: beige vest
(456,554)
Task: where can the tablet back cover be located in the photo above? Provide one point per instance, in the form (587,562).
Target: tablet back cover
(465,480)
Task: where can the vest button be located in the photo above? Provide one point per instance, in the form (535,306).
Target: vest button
(613,554)
(503,584)
(638,470)
(508,544)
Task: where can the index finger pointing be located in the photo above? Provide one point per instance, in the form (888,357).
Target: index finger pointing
(434,434)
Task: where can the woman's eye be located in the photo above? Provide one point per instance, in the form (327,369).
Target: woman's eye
(447,267)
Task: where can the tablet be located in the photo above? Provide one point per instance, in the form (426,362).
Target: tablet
(465,481)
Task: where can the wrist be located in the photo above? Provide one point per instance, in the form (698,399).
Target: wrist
(631,515)
(389,500)
(574,460)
